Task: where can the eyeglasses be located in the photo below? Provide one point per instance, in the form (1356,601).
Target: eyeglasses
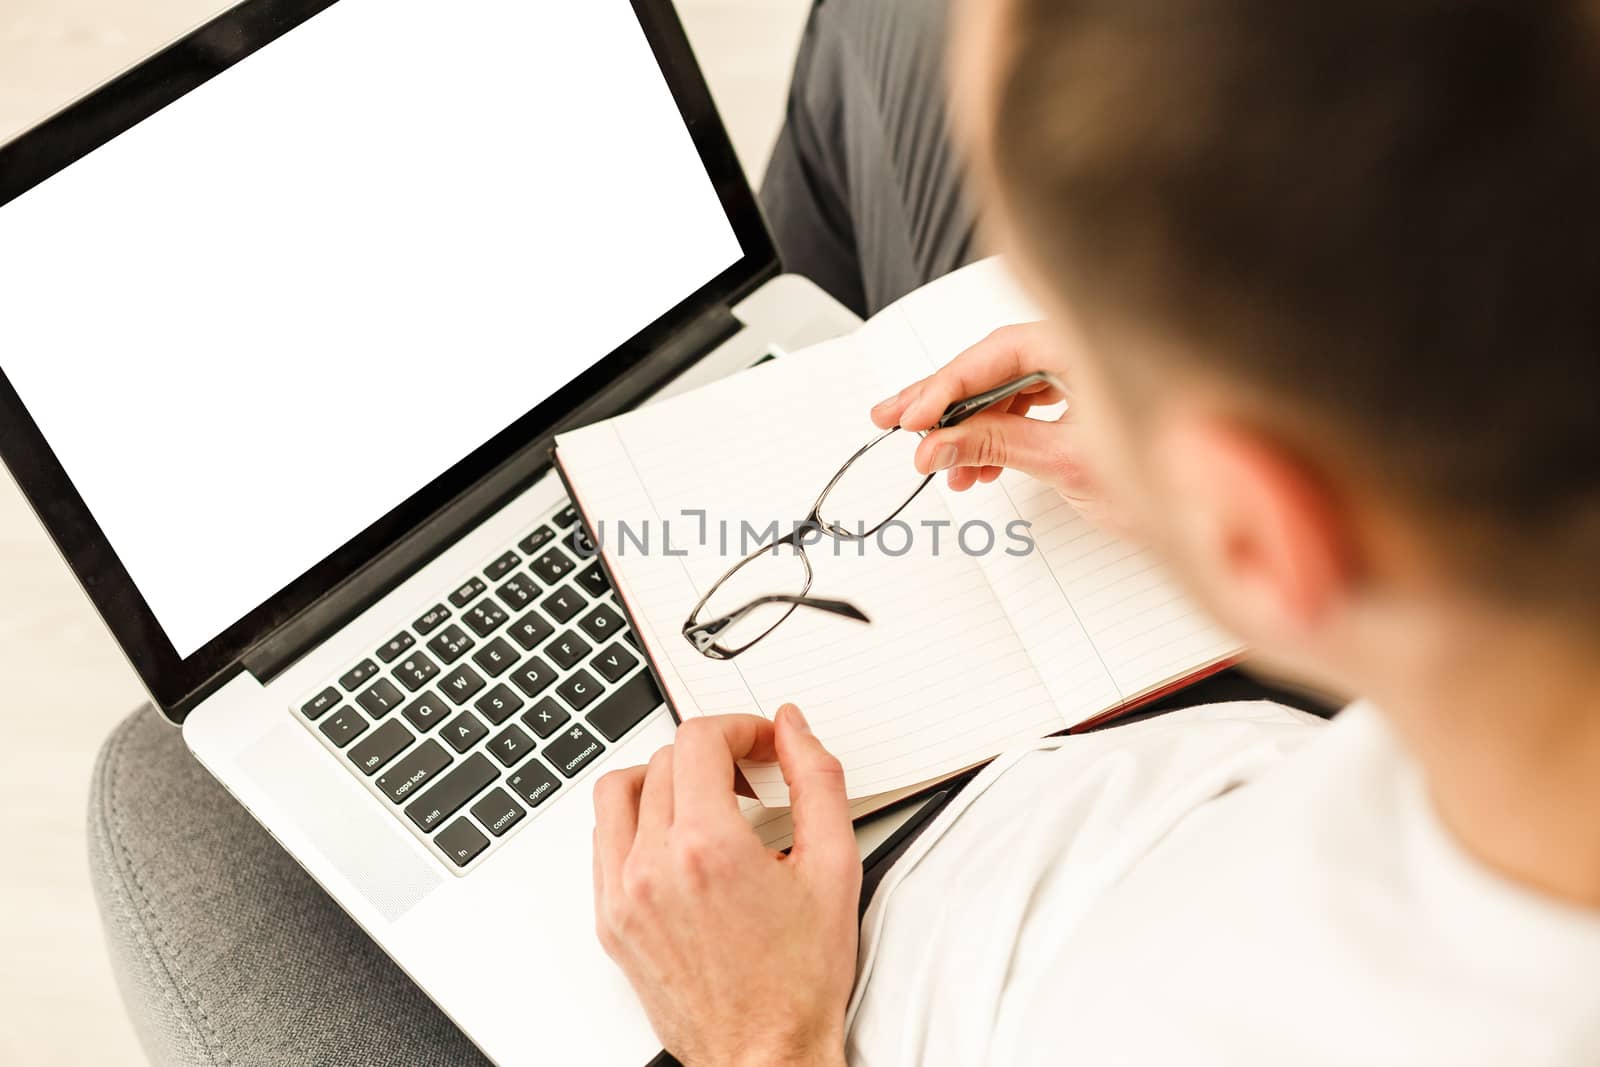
(868,493)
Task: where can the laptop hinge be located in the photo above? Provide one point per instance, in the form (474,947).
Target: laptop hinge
(281,648)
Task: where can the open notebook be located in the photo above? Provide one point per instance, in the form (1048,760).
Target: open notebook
(968,650)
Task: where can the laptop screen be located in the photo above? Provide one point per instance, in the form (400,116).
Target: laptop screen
(256,322)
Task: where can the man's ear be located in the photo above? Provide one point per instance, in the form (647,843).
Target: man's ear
(1264,529)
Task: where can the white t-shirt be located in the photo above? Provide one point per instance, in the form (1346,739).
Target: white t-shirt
(1238,884)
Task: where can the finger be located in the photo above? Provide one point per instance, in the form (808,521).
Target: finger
(986,475)
(995,360)
(962,478)
(1034,446)
(886,413)
(705,752)
(616,817)
(655,800)
(817,799)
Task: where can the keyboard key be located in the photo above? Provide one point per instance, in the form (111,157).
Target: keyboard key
(497,811)
(633,639)
(546,717)
(426,712)
(395,645)
(461,841)
(485,617)
(452,791)
(464,731)
(566,516)
(321,704)
(381,699)
(536,540)
(580,690)
(499,704)
(431,619)
(343,726)
(510,745)
(496,657)
(592,579)
(580,544)
(383,745)
(551,567)
(563,604)
(502,566)
(416,671)
(461,684)
(602,622)
(358,675)
(624,709)
(518,592)
(470,590)
(414,771)
(613,663)
(567,650)
(530,631)
(534,783)
(572,750)
(451,644)
(534,676)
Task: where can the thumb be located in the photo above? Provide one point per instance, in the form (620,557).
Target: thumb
(997,439)
(817,797)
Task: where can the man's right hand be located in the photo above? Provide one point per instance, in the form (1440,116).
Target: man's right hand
(978,449)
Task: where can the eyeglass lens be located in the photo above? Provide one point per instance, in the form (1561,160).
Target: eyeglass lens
(874,487)
(781,571)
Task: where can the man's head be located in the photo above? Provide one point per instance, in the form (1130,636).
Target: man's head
(1335,273)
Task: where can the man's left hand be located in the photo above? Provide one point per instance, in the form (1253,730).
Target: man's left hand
(740,954)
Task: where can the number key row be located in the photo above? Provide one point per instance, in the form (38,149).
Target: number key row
(451,643)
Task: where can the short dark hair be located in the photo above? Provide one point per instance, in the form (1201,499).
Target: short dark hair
(1382,214)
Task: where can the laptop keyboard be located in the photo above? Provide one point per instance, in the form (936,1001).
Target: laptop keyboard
(467,722)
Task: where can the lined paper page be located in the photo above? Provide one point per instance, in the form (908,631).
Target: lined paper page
(925,331)
(938,681)
(1145,632)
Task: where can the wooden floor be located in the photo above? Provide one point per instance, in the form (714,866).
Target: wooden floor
(66,684)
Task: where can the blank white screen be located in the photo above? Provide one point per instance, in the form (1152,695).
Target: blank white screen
(264,317)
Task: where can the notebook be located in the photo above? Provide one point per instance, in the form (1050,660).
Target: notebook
(975,643)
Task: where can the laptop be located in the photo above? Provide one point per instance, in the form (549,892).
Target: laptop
(294,310)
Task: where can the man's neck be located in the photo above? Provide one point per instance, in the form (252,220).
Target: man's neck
(1509,740)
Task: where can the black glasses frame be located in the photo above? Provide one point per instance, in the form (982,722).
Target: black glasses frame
(703,634)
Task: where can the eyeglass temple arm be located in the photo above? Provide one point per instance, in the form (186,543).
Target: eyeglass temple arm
(962,410)
(836,607)
(833,607)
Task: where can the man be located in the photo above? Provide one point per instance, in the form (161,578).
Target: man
(1321,277)
(1323,280)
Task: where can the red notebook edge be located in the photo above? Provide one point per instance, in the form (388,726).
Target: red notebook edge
(1106,718)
